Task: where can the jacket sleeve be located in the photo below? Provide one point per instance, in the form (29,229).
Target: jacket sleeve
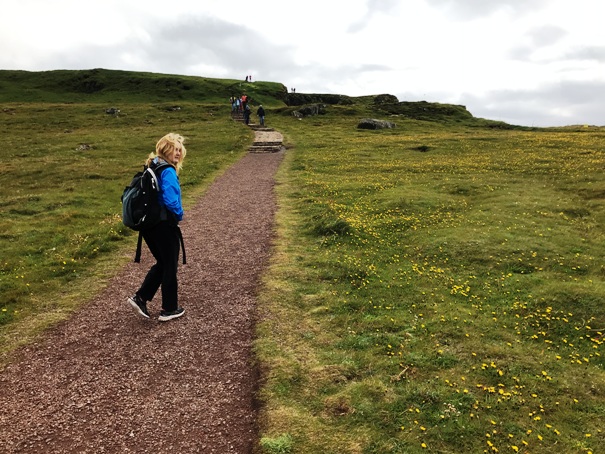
(171,192)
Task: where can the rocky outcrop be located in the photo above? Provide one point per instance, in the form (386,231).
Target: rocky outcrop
(300,99)
(385,99)
(309,111)
(428,111)
(371,123)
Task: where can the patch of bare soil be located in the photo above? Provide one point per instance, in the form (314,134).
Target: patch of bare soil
(109,381)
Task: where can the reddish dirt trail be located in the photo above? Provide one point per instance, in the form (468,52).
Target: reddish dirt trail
(109,381)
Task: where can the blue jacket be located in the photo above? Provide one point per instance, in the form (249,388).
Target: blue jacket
(170,191)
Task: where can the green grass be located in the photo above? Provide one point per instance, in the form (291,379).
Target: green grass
(447,300)
(436,287)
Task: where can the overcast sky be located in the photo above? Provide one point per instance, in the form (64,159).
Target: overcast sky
(525,62)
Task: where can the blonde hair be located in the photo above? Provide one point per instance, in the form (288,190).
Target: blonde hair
(166,147)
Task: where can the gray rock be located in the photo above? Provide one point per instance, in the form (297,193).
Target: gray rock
(371,123)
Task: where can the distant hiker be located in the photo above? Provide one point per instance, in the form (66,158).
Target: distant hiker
(247,114)
(233,103)
(246,78)
(164,240)
(261,115)
(250,78)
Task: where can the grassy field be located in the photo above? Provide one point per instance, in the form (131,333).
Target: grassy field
(437,289)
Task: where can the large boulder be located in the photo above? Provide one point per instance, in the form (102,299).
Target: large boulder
(372,123)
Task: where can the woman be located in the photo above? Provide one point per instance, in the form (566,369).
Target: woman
(164,239)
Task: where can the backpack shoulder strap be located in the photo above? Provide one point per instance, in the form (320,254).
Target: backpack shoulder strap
(182,244)
(137,255)
(157,169)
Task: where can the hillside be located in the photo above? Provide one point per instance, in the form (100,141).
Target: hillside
(113,86)
(102,85)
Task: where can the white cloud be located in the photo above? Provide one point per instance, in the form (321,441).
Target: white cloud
(473,9)
(554,104)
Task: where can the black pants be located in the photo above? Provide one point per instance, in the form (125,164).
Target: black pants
(164,243)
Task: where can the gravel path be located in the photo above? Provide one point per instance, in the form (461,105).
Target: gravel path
(109,381)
